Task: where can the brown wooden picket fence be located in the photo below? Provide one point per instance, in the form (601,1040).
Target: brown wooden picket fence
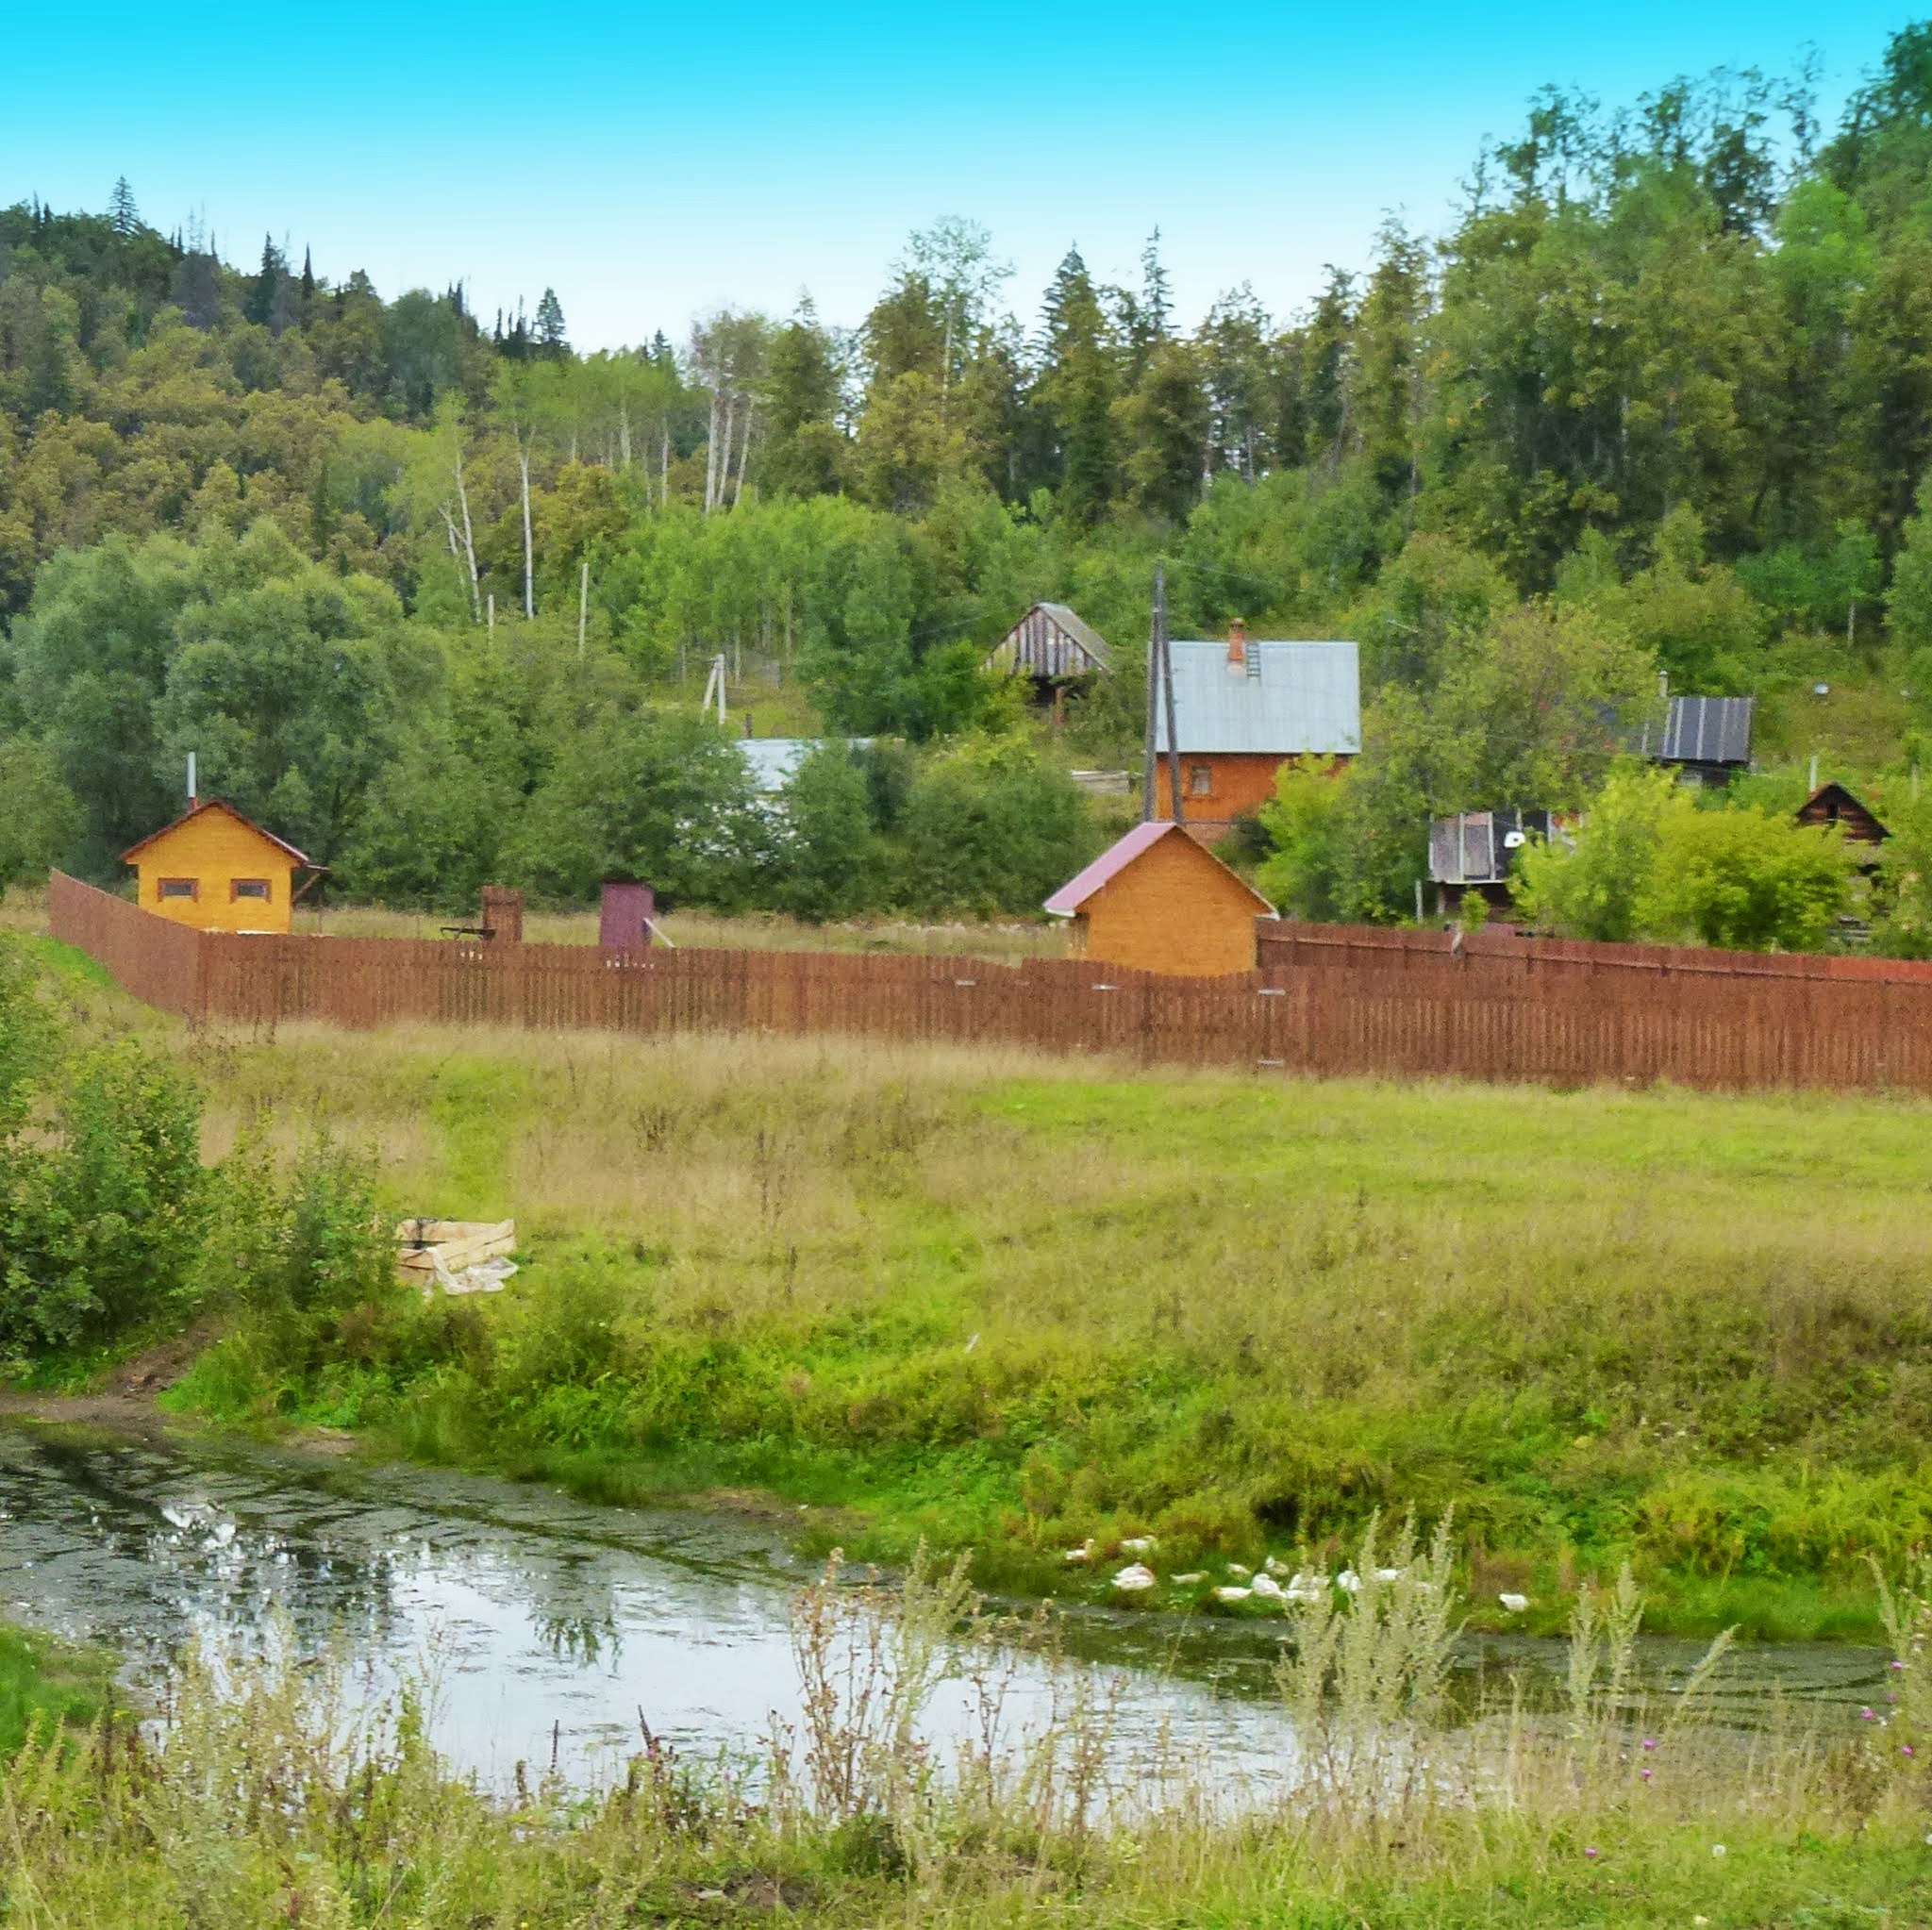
(1327,1000)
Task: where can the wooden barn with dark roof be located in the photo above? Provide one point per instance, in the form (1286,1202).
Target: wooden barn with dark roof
(1832,804)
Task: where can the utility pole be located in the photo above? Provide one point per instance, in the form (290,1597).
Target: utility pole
(1153,706)
(1174,740)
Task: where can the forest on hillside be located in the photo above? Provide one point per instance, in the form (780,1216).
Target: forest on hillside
(433,594)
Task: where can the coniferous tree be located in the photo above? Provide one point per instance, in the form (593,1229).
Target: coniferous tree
(551,339)
(122,216)
(1077,391)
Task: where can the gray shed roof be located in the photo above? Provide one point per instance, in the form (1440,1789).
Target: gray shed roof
(1707,730)
(1303,697)
(773,761)
(1052,640)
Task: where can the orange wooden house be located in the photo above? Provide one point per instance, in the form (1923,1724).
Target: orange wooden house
(1241,711)
(1162,902)
(217,871)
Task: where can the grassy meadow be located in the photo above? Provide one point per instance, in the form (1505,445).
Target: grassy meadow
(1021,1307)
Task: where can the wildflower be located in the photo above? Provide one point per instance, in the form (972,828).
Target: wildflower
(1590,1852)
(1905,1749)
(1866,1716)
(1646,1772)
(1898,1665)
(1650,1742)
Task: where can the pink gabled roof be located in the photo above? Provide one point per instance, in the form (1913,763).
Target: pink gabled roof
(1116,858)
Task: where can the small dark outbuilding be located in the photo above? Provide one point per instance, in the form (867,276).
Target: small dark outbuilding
(1476,851)
(1832,804)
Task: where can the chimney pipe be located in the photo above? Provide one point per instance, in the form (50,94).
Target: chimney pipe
(1238,645)
(193,799)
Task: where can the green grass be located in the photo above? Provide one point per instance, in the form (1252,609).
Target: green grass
(42,1683)
(1013,1306)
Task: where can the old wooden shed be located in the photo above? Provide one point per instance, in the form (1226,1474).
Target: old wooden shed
(1832,804)
(1054,646)
(217,871)
(1158,901)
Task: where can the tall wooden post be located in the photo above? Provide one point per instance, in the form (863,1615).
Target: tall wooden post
(1153,702)
(1173,739)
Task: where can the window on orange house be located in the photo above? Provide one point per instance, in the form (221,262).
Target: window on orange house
(181,888)
(249,888)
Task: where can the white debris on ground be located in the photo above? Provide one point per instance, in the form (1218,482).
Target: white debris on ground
(486,1276)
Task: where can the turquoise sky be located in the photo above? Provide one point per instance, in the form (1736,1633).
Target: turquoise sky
(653,162)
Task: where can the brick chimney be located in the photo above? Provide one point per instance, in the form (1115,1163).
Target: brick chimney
(1238,648)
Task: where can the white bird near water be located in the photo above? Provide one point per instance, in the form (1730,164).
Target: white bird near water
(1135,1578)
(1515,1603)
(1139,1545)
(1232,1594)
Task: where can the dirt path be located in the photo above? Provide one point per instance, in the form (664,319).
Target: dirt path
(127,1401)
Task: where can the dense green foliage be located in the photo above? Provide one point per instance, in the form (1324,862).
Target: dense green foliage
(112,1227)
(100,1179)
(1659,400)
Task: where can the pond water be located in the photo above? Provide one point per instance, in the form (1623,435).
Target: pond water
(552,1629)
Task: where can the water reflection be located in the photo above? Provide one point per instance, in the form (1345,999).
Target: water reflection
(547,1624)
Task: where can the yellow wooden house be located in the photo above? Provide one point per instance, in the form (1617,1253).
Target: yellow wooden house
(217,871)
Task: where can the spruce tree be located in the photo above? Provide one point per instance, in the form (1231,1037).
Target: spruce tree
(550,336)
(122,216)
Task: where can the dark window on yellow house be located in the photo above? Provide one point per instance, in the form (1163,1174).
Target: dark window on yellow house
(1200,780)
(249,888)
(180,887)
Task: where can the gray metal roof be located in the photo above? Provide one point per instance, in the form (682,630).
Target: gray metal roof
(1082,632)
(773,761)
(1707,730)
(1306,698)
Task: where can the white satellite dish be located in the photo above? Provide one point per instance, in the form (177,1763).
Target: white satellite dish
(1512,839)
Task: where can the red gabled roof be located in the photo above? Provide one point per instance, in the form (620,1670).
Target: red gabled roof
(1111,863)
(212,804)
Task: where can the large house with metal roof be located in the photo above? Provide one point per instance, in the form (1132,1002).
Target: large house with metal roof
(1243,709)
